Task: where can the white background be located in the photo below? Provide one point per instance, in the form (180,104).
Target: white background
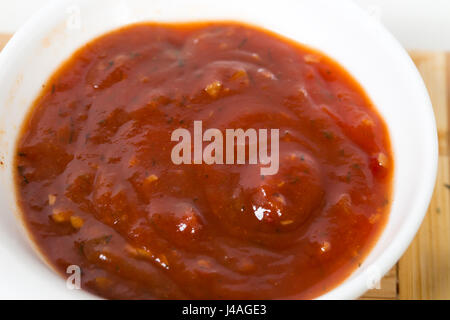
(418,24)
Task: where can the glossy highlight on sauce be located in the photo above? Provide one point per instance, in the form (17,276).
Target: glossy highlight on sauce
(98,189)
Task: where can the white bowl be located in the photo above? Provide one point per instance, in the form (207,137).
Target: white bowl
(338,28)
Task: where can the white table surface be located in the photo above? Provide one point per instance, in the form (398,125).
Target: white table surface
(418,24)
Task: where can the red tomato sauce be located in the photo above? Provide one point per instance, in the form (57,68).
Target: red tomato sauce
(98,188)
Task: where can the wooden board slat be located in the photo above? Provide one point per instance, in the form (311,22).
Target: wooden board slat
(388,288)
(424,271)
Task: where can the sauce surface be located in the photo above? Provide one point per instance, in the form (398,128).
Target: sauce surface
(98,188)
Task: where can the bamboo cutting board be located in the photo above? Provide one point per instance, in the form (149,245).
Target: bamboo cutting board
(4,39)
(424,270)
